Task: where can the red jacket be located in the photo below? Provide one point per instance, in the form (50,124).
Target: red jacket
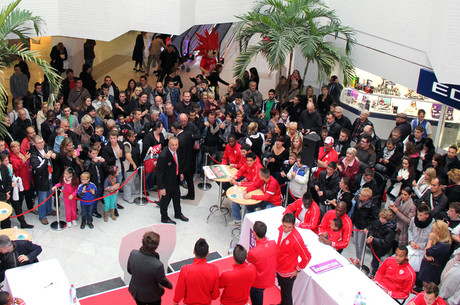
(312,216)
(237,283)
(263,257)
(332,155)
(325,226)
(396,279)
(271,189)
(198,283)
(420,300)
(232,155)
(22,170)
(289,251)
(250,173)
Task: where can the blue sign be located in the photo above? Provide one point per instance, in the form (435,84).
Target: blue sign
(429,86)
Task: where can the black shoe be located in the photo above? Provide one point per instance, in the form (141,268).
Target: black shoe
(157,203)
(187,197)
(119,206)
(184,185)
(82,226)
(90,225)
(116,213)
(182,217)
(96,214)
(169,220)
(35,212)
(25,225)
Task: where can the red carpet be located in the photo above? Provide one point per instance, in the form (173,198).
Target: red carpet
(122,296)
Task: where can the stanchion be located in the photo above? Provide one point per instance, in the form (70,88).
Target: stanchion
(58,225)
(204,186)
(141,200)
(361,263)
(287,195)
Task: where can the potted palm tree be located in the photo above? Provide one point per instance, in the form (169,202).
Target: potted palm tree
(20,23)
(285,24)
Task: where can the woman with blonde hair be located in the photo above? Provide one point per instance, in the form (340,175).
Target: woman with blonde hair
(135,95)
(348,166)
(255,139)
(85,130)
(296,145)
(423,184)
(437,253)
(41,116)
(453,189)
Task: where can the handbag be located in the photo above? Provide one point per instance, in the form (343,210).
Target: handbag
(150,163)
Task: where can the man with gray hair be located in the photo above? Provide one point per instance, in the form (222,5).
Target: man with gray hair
(16,253)
(341,119)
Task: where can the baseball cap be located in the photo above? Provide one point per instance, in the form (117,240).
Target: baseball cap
(329,140)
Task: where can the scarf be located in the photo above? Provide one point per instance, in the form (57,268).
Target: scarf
(423,224)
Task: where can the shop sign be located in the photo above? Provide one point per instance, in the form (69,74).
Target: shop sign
(429,86)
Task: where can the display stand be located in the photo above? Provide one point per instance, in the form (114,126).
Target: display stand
(141,200)
(204,186)
(58,225)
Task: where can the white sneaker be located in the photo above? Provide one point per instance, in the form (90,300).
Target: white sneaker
(74,222)
(234,223)
(69,224)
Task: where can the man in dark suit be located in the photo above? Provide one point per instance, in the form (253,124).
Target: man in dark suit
(168,177)
(5,191)
(335,88)
(185,157)
(148,273)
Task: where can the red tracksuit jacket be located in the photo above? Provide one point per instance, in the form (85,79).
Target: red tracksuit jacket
(237,283)
(271,189)
(198,283)
(325,226)
(232,155)
(332,155)
(250,173)
(289,251)
(396,279)
(263,257)
(312,216)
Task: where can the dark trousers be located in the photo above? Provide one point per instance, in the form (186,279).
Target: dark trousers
(148,303)
(28,195)
(188,176)
(17,206)
(286,284)
(87,213)
(173,194)
(257,296)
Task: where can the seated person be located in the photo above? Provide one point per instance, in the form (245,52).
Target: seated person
(270,187)
(232,153)
(335,234)
(327,187)
(16,253)
(307,211)
(299,175)
(326,154)
(7,299)
(396,276)
(325,227)
(435,199)
(428,297)
(390,159)
(364,180)
(250,171)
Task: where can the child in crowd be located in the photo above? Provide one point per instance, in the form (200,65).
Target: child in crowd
(122,123)
(284,118)
(61,135)
(99,132)
(285,168)
(69,181)
(336,234)
(86,193)
(97,168)
(111,185)
(299,175)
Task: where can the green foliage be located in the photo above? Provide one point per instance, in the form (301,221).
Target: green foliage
(284,24)
(21,23)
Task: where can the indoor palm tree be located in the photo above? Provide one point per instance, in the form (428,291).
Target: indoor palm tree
(15,22)
(285,24)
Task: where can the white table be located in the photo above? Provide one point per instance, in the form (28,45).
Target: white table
(336,286)
(32,283)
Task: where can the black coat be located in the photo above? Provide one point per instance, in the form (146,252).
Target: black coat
(345,123)
(310,121)
(138,49)
(148,277)
(40,172)
(20,247)
(166,171)
(185,149)
(18,129)
(372,185)
(110,158)
(384,235)
(90,167)
(5,183)
(329,186)
(364,215)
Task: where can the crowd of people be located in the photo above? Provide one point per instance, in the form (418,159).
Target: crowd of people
(394,194)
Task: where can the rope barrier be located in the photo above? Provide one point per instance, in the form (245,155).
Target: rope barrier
(33,207)
(293,197)
(214,159)
(96,199)
(145,191)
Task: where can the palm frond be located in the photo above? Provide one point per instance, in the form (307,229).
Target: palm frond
(20,23)
(244,59)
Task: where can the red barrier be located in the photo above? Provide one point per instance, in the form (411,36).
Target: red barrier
(33,207)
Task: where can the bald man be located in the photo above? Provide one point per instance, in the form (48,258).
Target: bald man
(310,120)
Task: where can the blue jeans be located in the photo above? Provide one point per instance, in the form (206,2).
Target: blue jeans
(45,208)
(262,205)
(86,213)
(236,211)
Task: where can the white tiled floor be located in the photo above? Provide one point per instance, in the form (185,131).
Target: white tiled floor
(89,256)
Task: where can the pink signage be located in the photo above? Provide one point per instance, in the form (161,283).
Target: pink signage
(326,266)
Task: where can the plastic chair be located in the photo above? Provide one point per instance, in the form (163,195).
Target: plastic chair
(133,241)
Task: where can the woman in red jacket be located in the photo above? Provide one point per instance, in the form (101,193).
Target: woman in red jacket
(348,166)
(21,169)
